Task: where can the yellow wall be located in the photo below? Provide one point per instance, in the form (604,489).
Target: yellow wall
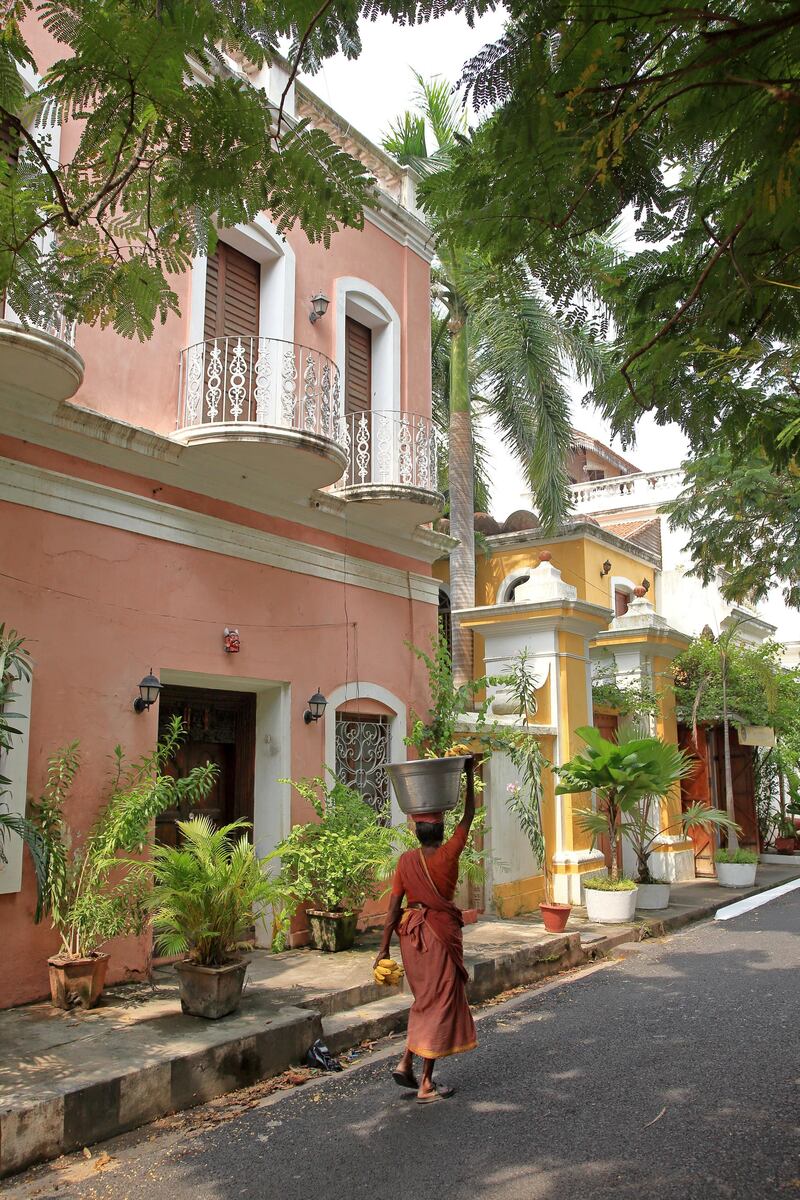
(579,560)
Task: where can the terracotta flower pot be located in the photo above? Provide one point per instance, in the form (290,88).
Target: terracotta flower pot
(785,845)
(555,916)
(332,931)
(77,982)
(211,992)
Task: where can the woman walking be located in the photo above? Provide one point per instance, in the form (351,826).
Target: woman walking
(440,1022)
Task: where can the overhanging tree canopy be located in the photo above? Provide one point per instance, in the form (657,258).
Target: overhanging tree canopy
(688,116)
(172,140)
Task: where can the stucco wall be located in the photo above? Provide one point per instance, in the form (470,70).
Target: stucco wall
(579,560)
(100,606)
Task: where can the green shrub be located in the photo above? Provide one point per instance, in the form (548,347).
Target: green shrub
(335,863)
(603,883)
(736,856)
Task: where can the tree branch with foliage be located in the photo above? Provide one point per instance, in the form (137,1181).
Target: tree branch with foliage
(686,117)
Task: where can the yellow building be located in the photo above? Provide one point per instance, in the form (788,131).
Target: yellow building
(578,602)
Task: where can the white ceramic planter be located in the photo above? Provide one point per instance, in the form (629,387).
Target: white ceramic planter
(652,896)
(736,875)
(610,908)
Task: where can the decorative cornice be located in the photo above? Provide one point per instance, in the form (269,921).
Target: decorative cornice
(65,495)
(110,442)
(570,532)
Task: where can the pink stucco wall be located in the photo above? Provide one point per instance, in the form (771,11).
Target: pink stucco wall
(140,384)
(100,606)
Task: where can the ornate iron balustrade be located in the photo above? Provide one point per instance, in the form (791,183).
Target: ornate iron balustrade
(391,448)
(261,381)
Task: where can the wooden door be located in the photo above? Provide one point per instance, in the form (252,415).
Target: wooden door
(743,779)
(233,286)
(608,725)
(697,789)
(357,367)
(221,729)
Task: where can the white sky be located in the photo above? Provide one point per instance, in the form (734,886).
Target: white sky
(374,89)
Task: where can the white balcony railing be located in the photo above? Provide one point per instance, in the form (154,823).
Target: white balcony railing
(390,449)
(260,381)
(625,491)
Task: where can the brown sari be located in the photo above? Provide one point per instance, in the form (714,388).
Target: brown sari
(440,1022)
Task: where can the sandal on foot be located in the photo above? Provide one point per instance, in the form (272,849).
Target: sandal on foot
(406,1080)
(439,1093)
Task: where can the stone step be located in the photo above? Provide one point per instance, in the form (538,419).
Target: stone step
(342,1030)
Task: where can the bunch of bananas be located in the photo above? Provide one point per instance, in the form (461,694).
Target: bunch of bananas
(388,973)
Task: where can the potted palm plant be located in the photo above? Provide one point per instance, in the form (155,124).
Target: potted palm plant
(208,893)
(92,892)
(623,774)
(334,864)
(640,826)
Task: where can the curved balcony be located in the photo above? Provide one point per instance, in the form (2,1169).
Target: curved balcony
(392,464)
(40,359)
(268,407)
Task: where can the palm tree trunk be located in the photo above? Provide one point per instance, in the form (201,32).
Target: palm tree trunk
(462,495)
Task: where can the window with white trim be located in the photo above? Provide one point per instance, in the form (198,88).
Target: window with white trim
(362,752)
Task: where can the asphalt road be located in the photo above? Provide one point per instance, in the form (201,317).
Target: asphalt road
(675,1073)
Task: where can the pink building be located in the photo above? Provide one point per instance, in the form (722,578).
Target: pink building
(248,469)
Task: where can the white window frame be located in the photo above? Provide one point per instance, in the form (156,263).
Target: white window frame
(517,575)
(259,240)
(398,720)
(31,81)
(14,765)
(364,302)
(619,583)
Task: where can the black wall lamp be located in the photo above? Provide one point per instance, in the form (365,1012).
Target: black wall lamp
(149,689)
(646,584)
(316,707)
(319,306)
(605,569)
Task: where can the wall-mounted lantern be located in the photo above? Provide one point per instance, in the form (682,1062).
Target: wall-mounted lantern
(149,689)
(316,707)
(319,306)
(231,641)
(605,569)
(646,585)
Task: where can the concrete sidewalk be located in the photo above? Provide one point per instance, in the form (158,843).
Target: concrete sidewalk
(71,1079)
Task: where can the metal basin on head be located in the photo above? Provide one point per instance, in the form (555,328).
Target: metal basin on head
(424,785)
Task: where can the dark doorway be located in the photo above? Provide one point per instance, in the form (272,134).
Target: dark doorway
(221,729)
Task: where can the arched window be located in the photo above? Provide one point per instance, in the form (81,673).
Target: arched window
(510,593)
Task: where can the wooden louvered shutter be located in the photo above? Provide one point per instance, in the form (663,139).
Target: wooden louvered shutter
(357,367)
(233,284)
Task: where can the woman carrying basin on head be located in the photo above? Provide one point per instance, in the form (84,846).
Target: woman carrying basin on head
(429,929)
